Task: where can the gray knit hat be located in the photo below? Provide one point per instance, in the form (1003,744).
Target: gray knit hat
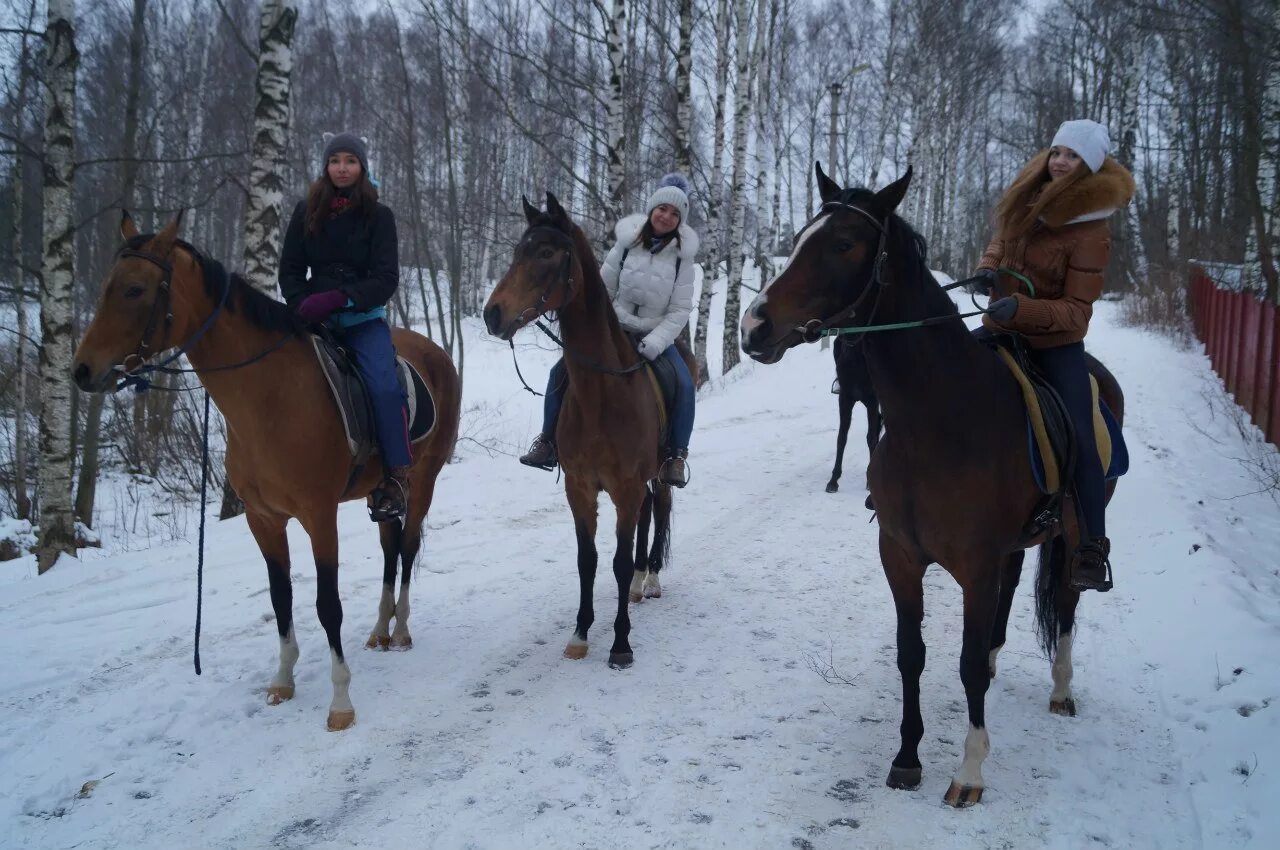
(347,143)
(672,189)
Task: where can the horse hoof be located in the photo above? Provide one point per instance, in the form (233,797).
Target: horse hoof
(377,642)
(277,694)
(833,487)
(401,642)
(653,594)
(621,660)
(962,796)
(904,778)
(340,720)
(635,596)
(1065,707)
(576,651)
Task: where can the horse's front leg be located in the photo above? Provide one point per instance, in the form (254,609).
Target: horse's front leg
(268,531)
(628,503)
(906,581)
(322,527)
(981,602)
(582,496)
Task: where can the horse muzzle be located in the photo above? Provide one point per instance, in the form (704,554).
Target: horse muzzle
(90,382)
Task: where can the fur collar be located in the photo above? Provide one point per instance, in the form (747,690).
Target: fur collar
(1105,191)
(628,228)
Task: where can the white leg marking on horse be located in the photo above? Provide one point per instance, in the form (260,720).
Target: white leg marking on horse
(401,635)
(1062,670)
(652,587)
(976,746)
(636,593)
(991,660)
(386,607)
(288,658)
(341,684)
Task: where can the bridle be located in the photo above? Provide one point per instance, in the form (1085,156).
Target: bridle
(814,329)
(564,280)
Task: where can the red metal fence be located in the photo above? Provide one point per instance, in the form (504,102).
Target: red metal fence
(1241,335)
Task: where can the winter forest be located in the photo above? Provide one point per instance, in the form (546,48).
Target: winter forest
(219,110)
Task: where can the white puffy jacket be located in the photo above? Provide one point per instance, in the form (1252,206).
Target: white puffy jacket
(647,294)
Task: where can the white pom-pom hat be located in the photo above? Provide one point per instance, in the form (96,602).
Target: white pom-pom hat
(672,189)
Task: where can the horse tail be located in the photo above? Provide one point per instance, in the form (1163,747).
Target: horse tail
(1049,579)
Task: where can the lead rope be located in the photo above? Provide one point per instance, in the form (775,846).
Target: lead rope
(204,484)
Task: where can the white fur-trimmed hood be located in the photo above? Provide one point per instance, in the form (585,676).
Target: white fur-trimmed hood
(628,228)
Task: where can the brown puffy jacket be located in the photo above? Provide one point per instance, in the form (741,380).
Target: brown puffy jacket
(1064,254)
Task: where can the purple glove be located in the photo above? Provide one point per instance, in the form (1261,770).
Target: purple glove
(318,306)
(1003,309)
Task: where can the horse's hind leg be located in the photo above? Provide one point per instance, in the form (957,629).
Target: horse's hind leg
(660,554)
(269,532)
(981,600)
(1061,700)
(410,546)
(906,580)
(1009,577)
(322,527)
(390,534)
(636,592)
(582,496)
(842,436)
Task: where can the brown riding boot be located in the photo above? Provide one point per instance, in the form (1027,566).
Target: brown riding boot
(675,469)
(390,500)
(1091,566)
(542,454)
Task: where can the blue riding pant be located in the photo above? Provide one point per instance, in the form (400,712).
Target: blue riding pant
(375,356)
(1065,369)
(681,416)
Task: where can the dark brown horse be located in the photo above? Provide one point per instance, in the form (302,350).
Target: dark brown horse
(287,454)
(853,383)
(950,478)
(608,432)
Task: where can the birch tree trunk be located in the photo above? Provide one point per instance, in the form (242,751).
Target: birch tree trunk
(615,141)
(57,523)
(22,500)
(715,192)
(684,90)
(747,60)
(270,132)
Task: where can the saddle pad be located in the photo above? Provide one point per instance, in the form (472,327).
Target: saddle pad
(354,409)
(1108,437)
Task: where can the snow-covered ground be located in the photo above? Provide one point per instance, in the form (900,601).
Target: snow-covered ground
(722,734)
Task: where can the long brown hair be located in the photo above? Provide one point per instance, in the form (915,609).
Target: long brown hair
(1029,194)
(646,234)
(364,200)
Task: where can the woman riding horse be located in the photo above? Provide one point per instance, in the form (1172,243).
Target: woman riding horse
(348,241)
(649,276)
(1052,234)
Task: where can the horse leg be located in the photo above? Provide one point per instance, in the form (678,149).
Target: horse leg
(906,581)
(660,554)
(269,532)
(582,496)
(323,530)
(1060,700)
(842,436)
(636,592)
(627,503)
(875,421)
(1009,578)
(410,545)
(981,599)
(390,534)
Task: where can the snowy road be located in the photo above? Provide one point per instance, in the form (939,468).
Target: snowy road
(722,734)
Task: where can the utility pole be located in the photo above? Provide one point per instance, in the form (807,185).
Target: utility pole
(833,134)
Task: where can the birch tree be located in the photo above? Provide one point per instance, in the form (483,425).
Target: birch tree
(684,90)
(57,523)
(616,141)
(270,131)
(715,189)
(748,59)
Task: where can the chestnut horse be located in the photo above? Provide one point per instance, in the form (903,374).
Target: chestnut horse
(608,431)
(287,454)
(951,478)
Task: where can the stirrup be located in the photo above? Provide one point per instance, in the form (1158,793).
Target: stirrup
(1081,582)
(664,472)
(381,506)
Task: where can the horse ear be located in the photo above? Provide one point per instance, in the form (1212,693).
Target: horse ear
(531,212)
(128,229)
(890,196)
(554,208)
(827,188)
(164,240)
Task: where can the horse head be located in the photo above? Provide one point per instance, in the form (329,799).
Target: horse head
(136,316)
(543,269)
(836,262)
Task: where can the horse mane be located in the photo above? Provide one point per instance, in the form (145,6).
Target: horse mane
(260,310)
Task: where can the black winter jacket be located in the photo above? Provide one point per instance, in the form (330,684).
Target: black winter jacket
(355,254)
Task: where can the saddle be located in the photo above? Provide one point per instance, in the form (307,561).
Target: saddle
(1051,439)
(354,406)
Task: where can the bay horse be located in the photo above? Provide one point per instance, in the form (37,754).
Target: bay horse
(854,383)
(287,455)
(608,431)
(951,477)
